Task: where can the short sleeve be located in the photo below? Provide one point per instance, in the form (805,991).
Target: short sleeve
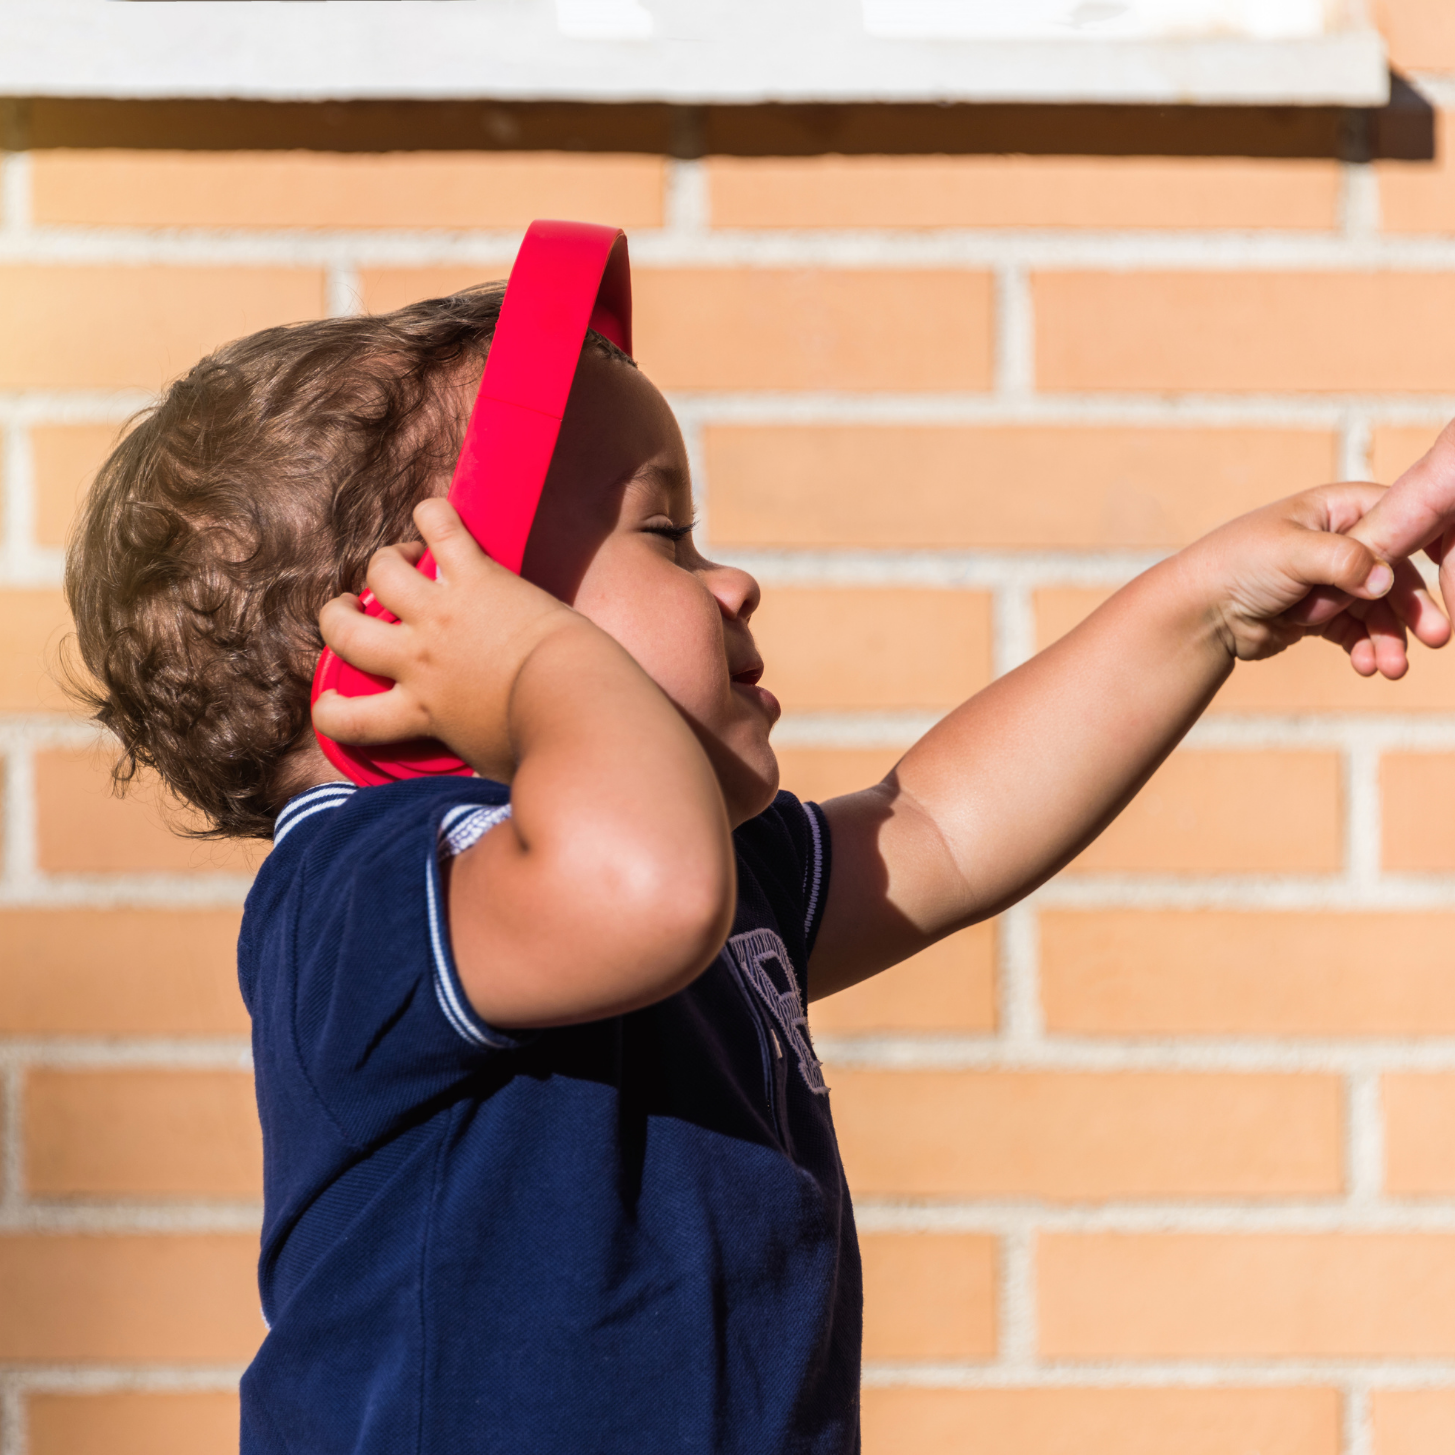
(379,1020)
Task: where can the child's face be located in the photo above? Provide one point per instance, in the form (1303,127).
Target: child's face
(611,539)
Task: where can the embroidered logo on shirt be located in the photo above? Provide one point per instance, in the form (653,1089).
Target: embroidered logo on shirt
(764,963)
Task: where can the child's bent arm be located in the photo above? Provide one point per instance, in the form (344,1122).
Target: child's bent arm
(1015,782)
(612,884)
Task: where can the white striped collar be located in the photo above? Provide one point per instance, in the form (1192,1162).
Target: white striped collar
(310,801)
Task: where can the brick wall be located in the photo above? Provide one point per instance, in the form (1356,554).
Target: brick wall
(1162,1160)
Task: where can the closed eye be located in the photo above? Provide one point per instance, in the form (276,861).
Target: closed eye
(672,532)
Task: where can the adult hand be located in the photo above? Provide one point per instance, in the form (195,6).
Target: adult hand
(1416,513)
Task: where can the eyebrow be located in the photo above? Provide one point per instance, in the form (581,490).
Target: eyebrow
(663,477)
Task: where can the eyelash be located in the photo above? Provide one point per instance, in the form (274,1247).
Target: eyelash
(673,532)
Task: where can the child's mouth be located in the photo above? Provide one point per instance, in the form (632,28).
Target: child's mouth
(748,680)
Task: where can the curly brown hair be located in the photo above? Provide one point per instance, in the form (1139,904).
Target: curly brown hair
(254,490)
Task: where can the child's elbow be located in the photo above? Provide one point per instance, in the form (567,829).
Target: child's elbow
(683,908)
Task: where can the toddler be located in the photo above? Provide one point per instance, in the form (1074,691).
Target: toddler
(549,1161)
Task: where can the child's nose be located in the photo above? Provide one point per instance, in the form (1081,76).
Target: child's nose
(737,592)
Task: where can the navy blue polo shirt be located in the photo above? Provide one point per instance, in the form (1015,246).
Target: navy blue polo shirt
(632,1235)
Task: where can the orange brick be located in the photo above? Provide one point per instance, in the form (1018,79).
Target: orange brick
(949,987)
(385,289)
(186,1423)
(1242,332)
(1416,196)
(1041,488)
(778,329)
(1220,973)
(322,189)
(1059,1421)
(142,1134)
(1074,192)
(823,773)
(1421,36)
(136,327)
(1271,1295)
(36,624)
(1419,1111)
(873,647)
(131,1298)
(1412,1421)
(1071,1135)
(1228,813)
(67,457)
(85,828)
(1313,676)
(120,972)
(1394,448)
(1417,837)
(928,1296)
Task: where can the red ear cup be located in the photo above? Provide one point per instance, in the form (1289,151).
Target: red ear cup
(567,277)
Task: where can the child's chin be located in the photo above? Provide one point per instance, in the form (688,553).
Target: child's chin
(751,783)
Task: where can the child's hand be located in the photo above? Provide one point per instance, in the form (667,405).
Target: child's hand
(1417,513)
(455,652)
(1258,567)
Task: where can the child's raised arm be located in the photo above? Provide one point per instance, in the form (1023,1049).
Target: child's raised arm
(613,883)
(1019,779)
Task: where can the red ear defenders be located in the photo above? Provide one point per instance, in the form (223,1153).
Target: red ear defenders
(568,277)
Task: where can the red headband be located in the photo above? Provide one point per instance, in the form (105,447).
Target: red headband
(568,277)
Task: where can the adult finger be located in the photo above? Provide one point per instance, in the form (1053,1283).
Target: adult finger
(1417,507)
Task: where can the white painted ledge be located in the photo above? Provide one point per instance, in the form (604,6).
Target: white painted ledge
(1270,52)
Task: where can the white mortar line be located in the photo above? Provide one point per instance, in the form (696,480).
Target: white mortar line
(1014,334)
(101,1379)
(1016,1300)
(15,192)
(1018,991)
(1355,440)
(870,249)
(1438,87)
(687,205)
(1359,219)
(14,1434)
(1252,1371)
(1364,1137)
(1189,1219)
(105,1215)
(343,291)
(12,1128)
(1014,626)
(1358,1427)
(905,1054)
(79,1052)
(19,818)
(17,511)
(976,570)
(1362,830)
(1192,409)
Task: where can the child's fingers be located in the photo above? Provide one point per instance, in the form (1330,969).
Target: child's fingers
(362,641)
(1348,632)
(452,545)
(1388,639)
(386,717)
(1321,606)
(395,580)
(1324,558)
(1412,603)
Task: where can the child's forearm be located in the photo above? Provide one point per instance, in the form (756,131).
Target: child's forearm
(613,883)
(1024,775)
